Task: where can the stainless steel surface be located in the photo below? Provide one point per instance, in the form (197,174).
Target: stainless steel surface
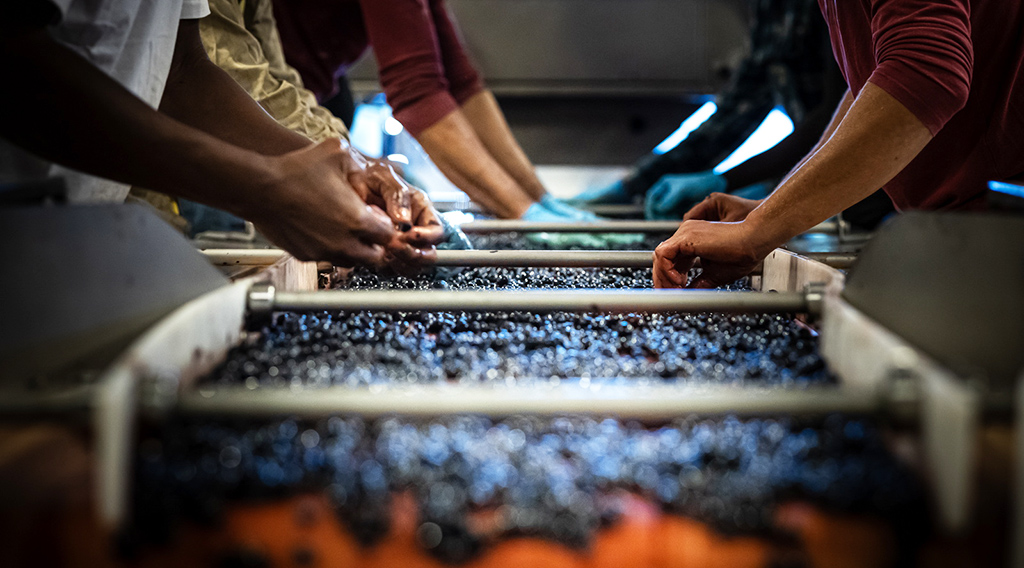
(261,298)
(81,282)
(532,300)
(912,279)
(660,402)
(546,258)
(835,260)
(547,47)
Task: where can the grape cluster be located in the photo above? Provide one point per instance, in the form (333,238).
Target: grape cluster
(559,478)
(521,348)
(499,278)
(517,241)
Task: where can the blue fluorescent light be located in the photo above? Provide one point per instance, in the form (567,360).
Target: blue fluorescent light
(367,132)
(392,126)
(773,129)
(1007,188)
(689,125)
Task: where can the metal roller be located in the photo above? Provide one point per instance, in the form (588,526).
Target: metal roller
(546,258)
(264,299)
(661,402)
(838,260)
(508,258)
(629,210)
(508,226)
(585,259)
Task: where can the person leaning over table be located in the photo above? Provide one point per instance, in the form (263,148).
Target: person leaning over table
(788,65)
(242,39)
(113,93)
(934,111)
(435,92)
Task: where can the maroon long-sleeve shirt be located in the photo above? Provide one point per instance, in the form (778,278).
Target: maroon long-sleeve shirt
(423,68)
(958,65)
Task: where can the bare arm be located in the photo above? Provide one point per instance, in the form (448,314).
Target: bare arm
(485,116)
(69,112)
(453,145)
(872,143)
(100,123)
(837,118)
(876,139)
(224,110)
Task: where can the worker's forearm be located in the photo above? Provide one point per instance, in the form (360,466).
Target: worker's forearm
(454,147)
(224,109)
(69,112)
(837,119)
(873,143)
(485,116)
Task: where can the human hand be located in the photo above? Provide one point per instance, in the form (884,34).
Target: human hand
(307,206)
(454,237)
(725,252)
(418,224)
(411,251)
(722,207)
(674,194)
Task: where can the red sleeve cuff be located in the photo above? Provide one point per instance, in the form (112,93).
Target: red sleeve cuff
(425,112)
(931,102)
(464,90)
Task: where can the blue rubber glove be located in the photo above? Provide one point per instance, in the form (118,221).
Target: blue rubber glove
(454,238)
(674,194)
(560,207)
(612,194)
(540,214)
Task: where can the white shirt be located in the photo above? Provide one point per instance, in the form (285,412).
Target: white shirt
(132,41)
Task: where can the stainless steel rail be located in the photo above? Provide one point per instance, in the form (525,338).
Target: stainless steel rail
(614,210)
(546,258)
(838,260)
(661,402)
(264,299)
(585,258)
(506,226)
(510,258)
